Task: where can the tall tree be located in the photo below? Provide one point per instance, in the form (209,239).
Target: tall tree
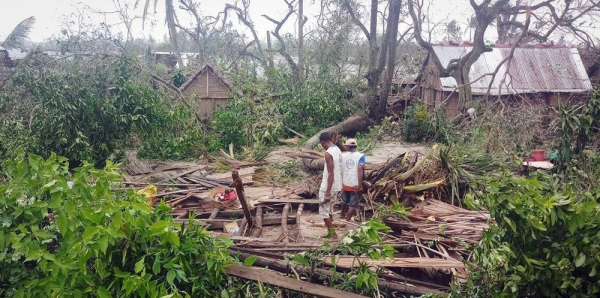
(170,20)
(377,101)
(18,35)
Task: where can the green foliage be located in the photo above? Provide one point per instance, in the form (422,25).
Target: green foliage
(245,123)
(577,129)
(179,78)
(363,241)
(69,235)
(417,125)
(315,103)
(82,108)
(543,240)
(178,137)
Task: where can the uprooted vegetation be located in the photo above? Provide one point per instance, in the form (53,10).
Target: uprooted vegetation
(459,218)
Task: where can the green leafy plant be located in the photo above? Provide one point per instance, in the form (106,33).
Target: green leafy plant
(70,235)
(417,125)
(83,108)
(542,241)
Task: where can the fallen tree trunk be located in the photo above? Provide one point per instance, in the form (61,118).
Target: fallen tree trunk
(350,126)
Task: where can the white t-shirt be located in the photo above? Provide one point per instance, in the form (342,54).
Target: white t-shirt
(336,154)
(350,162)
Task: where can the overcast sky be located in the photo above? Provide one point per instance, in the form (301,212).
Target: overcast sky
(51,14)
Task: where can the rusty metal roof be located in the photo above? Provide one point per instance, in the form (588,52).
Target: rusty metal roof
(531,70)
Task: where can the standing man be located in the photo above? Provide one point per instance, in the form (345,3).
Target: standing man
(353,164)
(332,182)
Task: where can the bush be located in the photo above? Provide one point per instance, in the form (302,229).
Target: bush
(316,103)
(417,125)
(543,240)
(84,108)
(85,240)
(180,136)
(244,123)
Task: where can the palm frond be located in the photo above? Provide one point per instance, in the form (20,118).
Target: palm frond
(17,36)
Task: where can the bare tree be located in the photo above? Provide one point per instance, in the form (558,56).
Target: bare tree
(170,20)
(244,16)
(283,51)
(378,53)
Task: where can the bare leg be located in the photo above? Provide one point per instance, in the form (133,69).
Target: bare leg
(350,213)
(343,207)
(330,231)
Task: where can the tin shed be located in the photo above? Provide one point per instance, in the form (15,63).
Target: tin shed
(550,73)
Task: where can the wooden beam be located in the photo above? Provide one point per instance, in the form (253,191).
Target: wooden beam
(258,227)
(217,224)
(239,188)
(354,262)
(288,201)
(406,286)
(273,278)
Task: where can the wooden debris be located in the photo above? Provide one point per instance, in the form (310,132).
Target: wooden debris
(258,222)
(138,167)
(276,279)
(354,262)
(287,201)
(237,183)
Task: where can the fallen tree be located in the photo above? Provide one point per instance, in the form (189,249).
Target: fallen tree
(348,127)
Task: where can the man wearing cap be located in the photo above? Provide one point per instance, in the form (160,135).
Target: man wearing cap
(353,170)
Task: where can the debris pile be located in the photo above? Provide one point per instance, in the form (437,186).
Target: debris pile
(272,223)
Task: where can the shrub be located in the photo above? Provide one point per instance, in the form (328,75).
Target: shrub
(82,108)
(316,103)
(178,137)
(543,240)
(244,123)
(85,240)
(417,125)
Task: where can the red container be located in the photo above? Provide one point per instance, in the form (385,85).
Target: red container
(538,155)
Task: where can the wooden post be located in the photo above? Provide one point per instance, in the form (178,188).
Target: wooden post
(259,223)
(239,189)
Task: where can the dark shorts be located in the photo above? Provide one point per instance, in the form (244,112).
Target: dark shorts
(351,198)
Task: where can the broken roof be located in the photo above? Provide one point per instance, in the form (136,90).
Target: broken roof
(531,70)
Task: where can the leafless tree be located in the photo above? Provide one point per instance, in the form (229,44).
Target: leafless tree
(378,52)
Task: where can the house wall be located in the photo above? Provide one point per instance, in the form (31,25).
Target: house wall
(207,85)
(207,93)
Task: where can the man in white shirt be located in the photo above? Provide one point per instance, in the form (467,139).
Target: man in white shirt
(331,184)
(353,171)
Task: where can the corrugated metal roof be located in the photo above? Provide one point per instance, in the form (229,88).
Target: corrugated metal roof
(531,70)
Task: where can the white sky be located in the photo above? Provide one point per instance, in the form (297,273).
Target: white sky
(51,14)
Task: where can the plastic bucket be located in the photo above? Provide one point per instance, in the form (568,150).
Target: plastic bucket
(538,155)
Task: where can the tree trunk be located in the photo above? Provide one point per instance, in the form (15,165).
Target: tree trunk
(269,51)
(350,126)
(393,20)
(301,38)
(173,31)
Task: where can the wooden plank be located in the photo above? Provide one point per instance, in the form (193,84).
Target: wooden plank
(239,188)
(286,201)
(278,280)
(354,262)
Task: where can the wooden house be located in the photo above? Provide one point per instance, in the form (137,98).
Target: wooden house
(208,90)
(550,74)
